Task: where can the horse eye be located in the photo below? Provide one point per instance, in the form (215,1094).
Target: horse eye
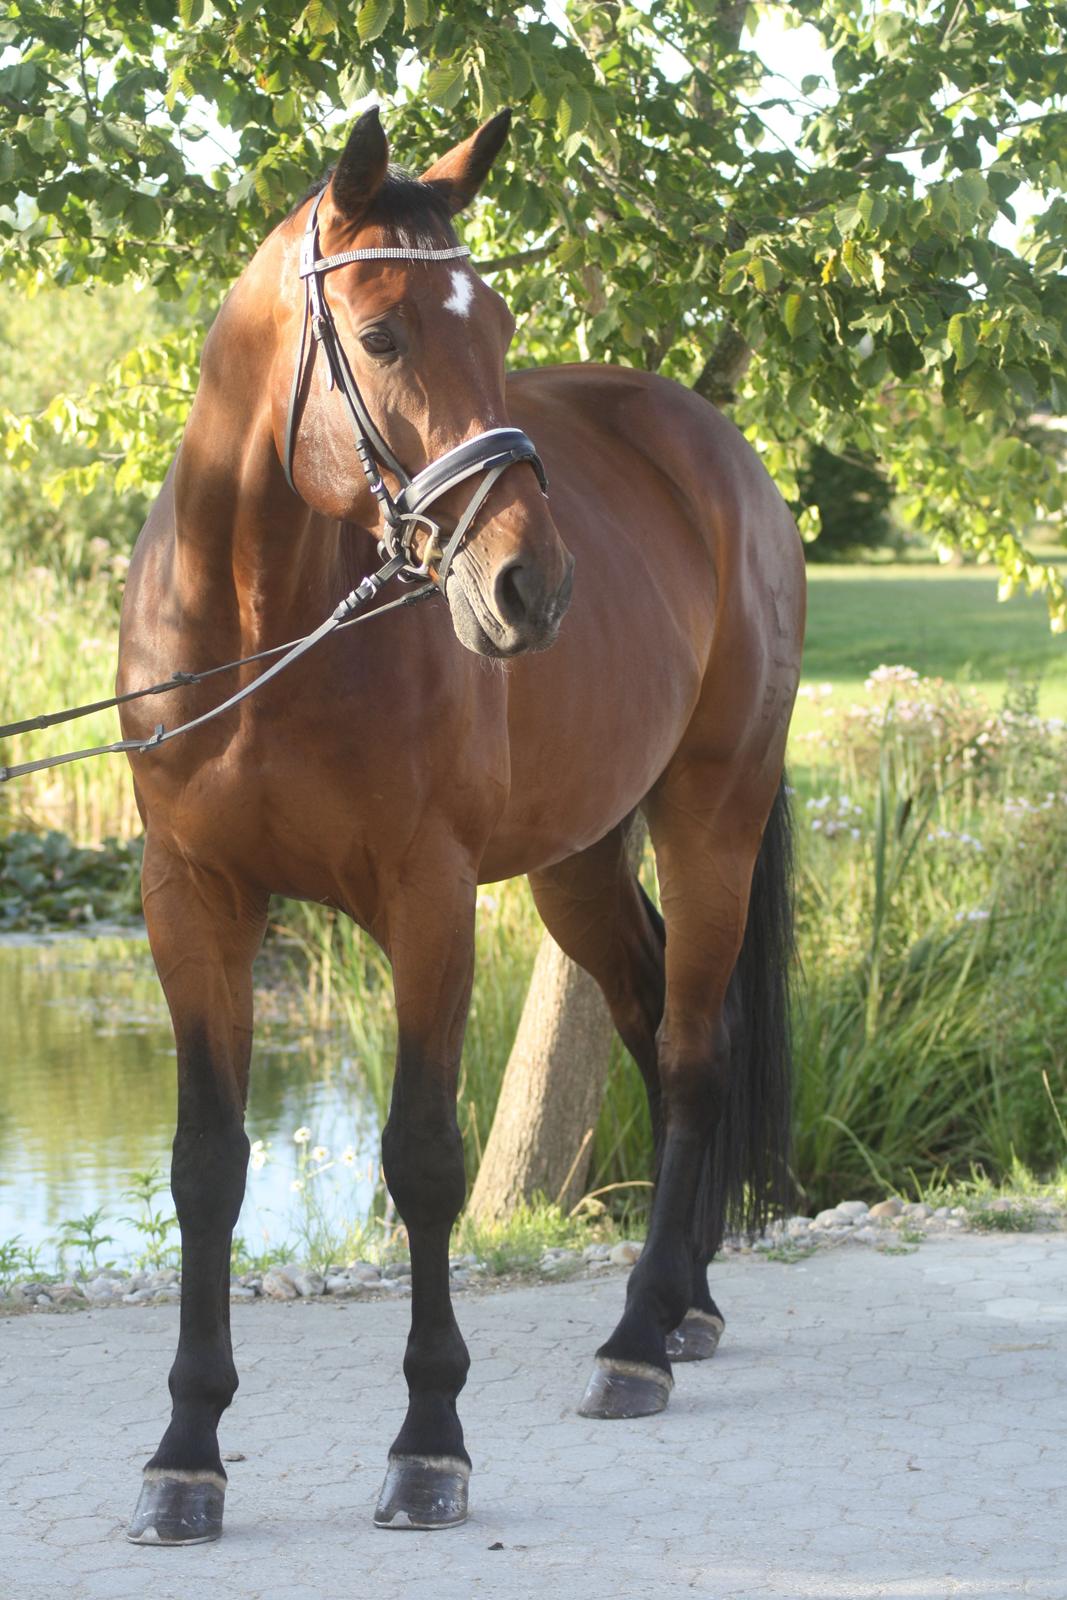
(377,342)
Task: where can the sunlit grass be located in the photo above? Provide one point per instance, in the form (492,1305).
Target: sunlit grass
(944,621)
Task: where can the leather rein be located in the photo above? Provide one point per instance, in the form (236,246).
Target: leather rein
(489,453)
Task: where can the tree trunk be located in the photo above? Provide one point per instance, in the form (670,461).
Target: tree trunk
(541,1140)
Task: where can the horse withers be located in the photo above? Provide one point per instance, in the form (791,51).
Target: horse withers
(353,389)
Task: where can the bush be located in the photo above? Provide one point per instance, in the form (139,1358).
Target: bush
(853,500)
(931,1026)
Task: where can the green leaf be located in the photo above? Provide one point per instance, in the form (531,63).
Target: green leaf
(963,339)
(319,18)
(118,136)
(847,217)
(190,12)
(972,187)
(873,209)
(573,111)
(112,202)
(765,273)
(444,83)
(604,323)
(520,78)
(264,183)
(874,369)
(144,215)
(18,79)
(416,13)
(983,389)
(285,109)
(797,314)
(809,524)
(372,18)
(799,398)
(355,84)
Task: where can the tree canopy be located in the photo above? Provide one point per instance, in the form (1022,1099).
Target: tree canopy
(858,281)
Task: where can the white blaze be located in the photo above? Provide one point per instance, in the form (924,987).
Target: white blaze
(462,294)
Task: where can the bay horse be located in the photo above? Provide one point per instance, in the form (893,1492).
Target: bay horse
(397,767)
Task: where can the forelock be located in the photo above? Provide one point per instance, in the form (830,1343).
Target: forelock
(411,213)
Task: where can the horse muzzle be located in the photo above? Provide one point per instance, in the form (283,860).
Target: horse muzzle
(515,612)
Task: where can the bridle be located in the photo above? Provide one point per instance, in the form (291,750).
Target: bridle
(489,453)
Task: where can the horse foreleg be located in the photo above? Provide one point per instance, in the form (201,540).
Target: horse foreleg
(431,946)
(204,935)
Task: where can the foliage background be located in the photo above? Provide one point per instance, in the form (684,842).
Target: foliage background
(847,286)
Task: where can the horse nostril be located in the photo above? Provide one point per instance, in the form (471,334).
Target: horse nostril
(515,593)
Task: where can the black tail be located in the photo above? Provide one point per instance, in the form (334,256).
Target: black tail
(746,1180)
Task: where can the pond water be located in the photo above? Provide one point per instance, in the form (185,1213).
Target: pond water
(88,1096)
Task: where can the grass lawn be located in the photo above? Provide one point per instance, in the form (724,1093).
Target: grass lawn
(945,622)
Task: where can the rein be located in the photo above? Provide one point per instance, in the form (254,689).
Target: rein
(343,616)
(490,453)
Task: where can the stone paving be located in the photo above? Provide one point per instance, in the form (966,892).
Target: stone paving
(874,1425)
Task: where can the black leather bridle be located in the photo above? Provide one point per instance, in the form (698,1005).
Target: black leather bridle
(489,453)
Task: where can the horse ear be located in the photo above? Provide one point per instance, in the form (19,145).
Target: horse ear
(458,176)
(361,169)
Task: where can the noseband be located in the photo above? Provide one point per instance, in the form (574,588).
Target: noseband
(489,453)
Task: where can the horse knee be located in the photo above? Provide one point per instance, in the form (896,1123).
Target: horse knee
(207,1178)
(423,1164)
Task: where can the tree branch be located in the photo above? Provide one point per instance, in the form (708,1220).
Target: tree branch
(518,258)
(724,368)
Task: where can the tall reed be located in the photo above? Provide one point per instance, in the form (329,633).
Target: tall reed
(65,658)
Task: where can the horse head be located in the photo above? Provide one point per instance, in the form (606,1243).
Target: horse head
(418,348)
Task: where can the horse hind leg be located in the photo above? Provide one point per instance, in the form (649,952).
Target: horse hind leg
(746,1168)
(697,1336)
(204,936)
(594,907)
(721,1053)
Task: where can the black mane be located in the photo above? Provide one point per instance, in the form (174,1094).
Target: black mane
(414,214)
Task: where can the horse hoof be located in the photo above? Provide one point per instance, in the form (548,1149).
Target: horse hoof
(178,1507)
(424,1492)
(620,1389)
(696,1337)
